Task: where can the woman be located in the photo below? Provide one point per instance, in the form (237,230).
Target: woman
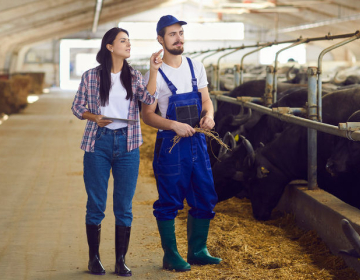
(106,94)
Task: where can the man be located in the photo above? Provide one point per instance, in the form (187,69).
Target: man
(184,102)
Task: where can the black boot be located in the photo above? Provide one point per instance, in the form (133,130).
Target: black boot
(122,237)
(93,236)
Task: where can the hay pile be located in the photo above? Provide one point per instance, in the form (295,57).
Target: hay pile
(21,86)
(250,249)
(13,94)
(37,80)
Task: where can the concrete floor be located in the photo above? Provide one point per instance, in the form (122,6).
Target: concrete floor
(42,201)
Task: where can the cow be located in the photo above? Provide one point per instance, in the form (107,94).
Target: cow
(285,159)
(228,178)
(346,154)
(348,76)
(268,127)
(297,76)
(227,167)
(228,116)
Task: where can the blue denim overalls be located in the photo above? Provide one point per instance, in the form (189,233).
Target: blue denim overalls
(186,171)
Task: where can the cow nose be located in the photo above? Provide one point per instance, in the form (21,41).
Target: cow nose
(330,167)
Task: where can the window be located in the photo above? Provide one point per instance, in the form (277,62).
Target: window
(298,54)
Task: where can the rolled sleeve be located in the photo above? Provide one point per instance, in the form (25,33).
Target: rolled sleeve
(80,101)
(142,92)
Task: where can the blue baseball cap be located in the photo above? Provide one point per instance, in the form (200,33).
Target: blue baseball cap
(168,20)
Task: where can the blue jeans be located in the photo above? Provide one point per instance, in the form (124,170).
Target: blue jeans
(110,154)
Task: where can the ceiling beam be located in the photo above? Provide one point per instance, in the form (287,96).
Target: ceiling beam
(319,23)
(31,9)
(79,22)
(68,10)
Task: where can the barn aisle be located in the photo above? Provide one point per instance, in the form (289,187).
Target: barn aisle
(42,201)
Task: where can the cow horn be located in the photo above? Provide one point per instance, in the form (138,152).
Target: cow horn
(225,120)
(249,149)
(288,78)
(240,120)
(238,176)
(352,236)
(228,139)
(338,81)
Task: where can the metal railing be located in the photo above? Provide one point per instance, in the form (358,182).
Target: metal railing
(314,104)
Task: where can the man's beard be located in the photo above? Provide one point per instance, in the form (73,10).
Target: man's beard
(175,51)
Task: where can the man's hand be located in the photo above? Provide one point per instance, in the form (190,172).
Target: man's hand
(207,122)
(100,122)
(183,129)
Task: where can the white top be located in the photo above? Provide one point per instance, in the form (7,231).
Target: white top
(118,106)
(180,77)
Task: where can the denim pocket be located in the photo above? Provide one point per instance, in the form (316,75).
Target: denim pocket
(165,162)
(188,114)
(99,133)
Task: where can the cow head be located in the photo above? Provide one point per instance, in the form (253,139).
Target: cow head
(228,170)
(266,186)
(346,154)
(345,157)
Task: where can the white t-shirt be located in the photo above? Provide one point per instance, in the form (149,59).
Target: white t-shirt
(180,77)
(118,106)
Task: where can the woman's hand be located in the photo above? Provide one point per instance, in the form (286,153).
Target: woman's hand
(155,61)
(100,122)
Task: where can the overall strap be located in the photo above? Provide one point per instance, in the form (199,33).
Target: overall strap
(171,86)
(193,78)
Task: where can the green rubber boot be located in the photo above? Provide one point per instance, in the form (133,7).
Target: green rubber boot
(197,232)
(172,259)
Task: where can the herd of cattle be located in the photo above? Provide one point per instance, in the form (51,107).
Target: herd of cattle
(290,73)
(267,153)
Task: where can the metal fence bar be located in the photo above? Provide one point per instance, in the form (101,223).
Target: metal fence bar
(242,61)
(214,52)
(319,70)
(326,37)
(312,114)
(323,127)
(218,65)
(274,92)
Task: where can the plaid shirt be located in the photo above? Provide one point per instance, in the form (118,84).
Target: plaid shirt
(87,98)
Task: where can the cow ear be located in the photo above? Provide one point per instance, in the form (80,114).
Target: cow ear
(262,172)
(238,176)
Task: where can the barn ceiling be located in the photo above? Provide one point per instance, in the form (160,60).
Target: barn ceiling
(28,22)
(24,22)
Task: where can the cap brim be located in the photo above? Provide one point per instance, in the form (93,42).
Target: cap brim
(181,22)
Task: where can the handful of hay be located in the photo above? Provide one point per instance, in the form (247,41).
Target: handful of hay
(209,133)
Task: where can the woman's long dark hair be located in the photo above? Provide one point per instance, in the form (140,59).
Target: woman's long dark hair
(105,60)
